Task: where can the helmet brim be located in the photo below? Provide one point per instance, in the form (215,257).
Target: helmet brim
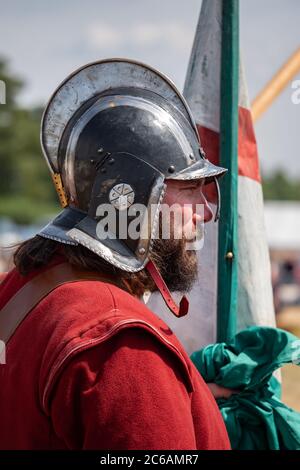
(57,229)
(201,169)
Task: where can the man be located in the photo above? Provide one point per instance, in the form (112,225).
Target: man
(88,365)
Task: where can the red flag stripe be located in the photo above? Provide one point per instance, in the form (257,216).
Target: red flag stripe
(248,156)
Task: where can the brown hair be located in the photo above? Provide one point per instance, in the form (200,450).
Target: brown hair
(39,251)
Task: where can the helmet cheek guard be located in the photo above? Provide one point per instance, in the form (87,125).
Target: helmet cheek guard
(117,206)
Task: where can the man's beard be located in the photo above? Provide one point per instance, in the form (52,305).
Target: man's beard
(177,265)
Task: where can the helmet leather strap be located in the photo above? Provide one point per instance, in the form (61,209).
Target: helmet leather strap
(178,311)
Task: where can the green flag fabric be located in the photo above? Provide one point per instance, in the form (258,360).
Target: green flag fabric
(254,416)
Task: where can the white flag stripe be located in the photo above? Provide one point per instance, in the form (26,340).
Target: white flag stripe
(255,300)
(202,85)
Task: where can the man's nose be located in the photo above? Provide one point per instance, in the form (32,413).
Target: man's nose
(206,213)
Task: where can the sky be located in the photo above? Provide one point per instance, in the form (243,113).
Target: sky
(45,41)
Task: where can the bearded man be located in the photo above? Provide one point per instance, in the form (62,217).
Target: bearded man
(88,365)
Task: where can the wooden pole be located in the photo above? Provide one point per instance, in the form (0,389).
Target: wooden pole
(275,86)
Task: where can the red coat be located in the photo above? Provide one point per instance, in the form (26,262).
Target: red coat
(91,367)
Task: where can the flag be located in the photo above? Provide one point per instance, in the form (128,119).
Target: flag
(254,297)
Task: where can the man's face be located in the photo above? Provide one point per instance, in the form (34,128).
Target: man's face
(188,200)
(173,256)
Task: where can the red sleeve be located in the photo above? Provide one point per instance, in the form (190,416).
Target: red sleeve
(127,393)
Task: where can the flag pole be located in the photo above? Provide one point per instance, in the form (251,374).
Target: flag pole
(228,224)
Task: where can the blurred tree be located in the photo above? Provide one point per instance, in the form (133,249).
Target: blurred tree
(279,186)
(7,115)
(26,191)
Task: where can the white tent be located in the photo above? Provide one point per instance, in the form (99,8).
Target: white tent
(282,220)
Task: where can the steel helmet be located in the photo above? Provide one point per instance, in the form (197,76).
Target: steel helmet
(112,133)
